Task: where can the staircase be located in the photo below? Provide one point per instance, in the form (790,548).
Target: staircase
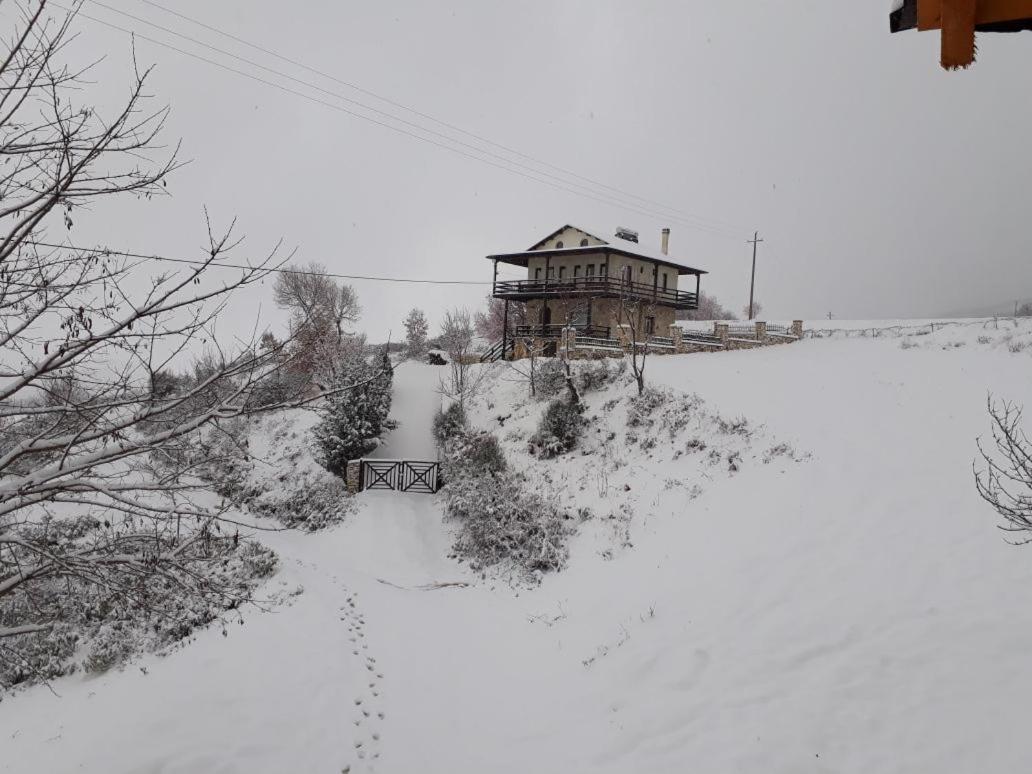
(495,352)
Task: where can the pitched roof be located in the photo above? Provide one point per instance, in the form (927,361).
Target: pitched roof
(611,244)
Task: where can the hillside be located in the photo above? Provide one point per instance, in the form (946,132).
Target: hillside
(817,589)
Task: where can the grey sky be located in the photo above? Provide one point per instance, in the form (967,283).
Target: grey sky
(882,185)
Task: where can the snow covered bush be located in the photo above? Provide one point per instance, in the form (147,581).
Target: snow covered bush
(596,374)
(559,430)
(550,378)
(474,454)
(101,628)
(354,418)
(449,424)
(503,522)
(269,468)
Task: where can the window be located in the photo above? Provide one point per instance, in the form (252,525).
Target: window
(562,272)
(576,271)
(590,270)
(603,269)
(537,273)
(650,326)
(626,274)
(664,281)
(584,243)
(551,272)
(559,245)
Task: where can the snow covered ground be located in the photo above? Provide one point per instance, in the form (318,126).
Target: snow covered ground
(853,610)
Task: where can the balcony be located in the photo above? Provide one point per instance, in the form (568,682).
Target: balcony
(594,287)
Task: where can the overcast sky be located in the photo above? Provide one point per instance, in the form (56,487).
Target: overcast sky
(883,186)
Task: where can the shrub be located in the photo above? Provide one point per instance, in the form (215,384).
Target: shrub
(39,656)
(501,522)
(435,359)
(597,374)
(560,428)
(643,407)
(482,453)
(310,502)
(449,424)
(550,378)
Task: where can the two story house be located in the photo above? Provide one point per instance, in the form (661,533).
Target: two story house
(580,279)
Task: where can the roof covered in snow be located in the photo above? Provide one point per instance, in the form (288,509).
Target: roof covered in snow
(610,244)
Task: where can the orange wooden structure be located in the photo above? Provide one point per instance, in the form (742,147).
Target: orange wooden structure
(958,20)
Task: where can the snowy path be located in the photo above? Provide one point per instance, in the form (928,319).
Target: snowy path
(414,403)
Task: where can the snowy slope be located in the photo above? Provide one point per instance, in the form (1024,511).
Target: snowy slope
(850,611)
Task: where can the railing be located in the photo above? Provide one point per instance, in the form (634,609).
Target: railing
(694,335)
(592,342)
(594,286)
(661,341)
(498,351)
(555,331)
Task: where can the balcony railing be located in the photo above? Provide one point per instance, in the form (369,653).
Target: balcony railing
(606,287)
(555,331)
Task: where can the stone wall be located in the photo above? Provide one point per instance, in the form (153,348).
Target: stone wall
(353,476)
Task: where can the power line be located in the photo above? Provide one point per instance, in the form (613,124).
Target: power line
(701,220)
(529,173)
(220,264)
(714,230)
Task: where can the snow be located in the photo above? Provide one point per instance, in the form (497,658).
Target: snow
(850,608)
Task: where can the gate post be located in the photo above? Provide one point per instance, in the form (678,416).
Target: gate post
(353,476)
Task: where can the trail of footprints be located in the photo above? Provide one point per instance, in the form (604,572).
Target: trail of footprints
(368,705)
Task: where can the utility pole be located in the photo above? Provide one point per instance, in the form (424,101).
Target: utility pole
(752,282)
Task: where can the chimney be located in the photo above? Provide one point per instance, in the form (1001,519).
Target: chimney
(666,241)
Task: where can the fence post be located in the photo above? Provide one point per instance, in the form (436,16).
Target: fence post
(797,328)
(677,338)
(761,331)
(721,331)
(353,476)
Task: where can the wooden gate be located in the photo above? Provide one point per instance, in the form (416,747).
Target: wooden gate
(401,475)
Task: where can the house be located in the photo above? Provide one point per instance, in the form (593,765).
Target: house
(600,286)
(958,20)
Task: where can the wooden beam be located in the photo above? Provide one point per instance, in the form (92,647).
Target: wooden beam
(929,12)
(958,33)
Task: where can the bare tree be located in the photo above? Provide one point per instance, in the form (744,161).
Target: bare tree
(457,338)
(1025,310)
(320,312)
(98,467)
(634,316)
(491,321)
(1005,482)
(750,314)
(526,367)
(709,308)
